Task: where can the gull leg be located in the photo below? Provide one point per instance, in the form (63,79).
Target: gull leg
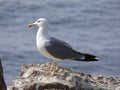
(54,65)
(52,70)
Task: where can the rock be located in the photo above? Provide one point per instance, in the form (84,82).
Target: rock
(2,82)
(37,77)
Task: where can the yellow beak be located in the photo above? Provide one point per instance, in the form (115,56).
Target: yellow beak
(31,25)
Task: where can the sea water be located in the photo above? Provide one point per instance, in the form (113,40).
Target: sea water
(89,26)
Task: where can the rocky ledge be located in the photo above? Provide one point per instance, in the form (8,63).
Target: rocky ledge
(37,77)
(2,81)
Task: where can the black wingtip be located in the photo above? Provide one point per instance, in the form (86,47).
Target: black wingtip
(89,57)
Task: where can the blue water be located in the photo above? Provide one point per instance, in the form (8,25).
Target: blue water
(90,26)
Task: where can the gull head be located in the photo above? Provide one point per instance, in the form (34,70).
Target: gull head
(41,22)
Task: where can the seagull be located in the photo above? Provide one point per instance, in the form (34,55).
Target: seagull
(54,48)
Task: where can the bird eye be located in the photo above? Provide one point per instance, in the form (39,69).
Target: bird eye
(38,21)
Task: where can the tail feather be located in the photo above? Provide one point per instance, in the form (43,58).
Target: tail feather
(87,57)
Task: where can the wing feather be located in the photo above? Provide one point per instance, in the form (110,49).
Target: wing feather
(60,49)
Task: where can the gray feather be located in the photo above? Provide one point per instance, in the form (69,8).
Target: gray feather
(61,50)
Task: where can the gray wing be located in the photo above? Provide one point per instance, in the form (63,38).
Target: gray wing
(60,49)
